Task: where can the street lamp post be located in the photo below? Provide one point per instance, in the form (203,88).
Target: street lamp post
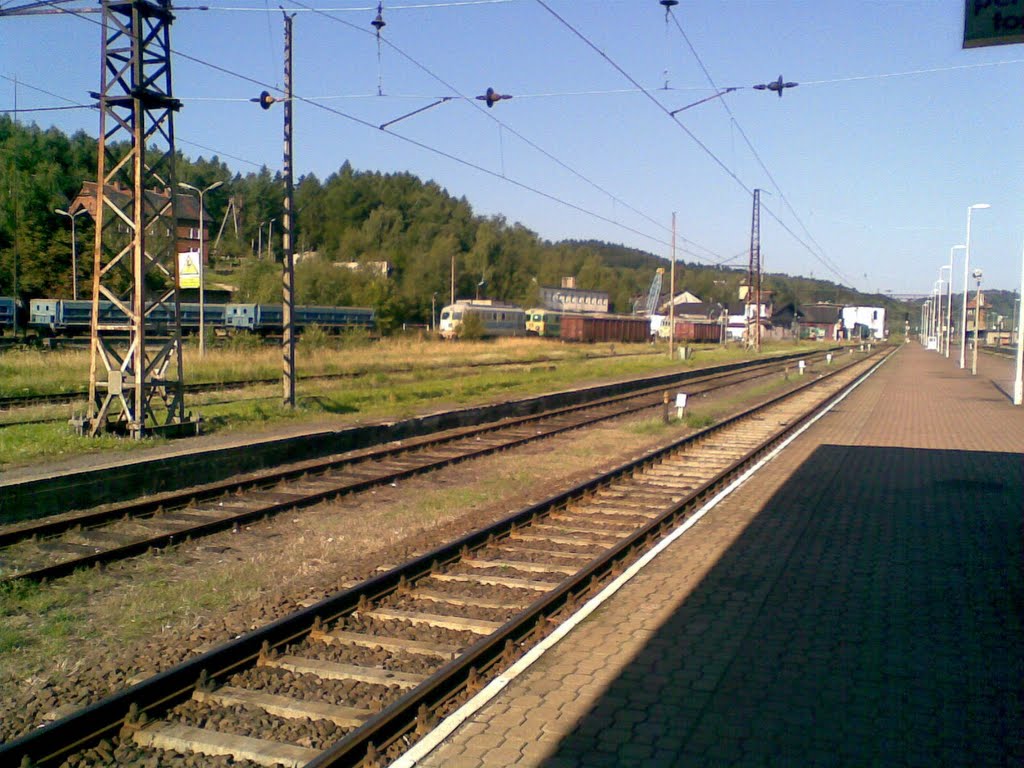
(74,248)
(944,328)
(967,287)
(433,310)
(938,311)
(949,303)
(202,262)
(1018,381)
(977,322)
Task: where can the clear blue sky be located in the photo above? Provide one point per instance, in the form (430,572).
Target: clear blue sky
(878,166)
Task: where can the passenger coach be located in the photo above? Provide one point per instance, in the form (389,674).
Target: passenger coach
(495,319)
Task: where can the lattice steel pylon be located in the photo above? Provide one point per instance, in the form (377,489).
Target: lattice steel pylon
(136,389)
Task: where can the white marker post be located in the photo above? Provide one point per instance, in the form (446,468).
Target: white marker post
(680,404)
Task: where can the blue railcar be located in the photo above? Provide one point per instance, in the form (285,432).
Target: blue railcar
(269,318)
(6,312)
(213,316)
(70,317)
(334,318)
(258,318)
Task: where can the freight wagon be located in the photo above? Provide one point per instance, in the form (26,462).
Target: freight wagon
(707,332)
(66,317)
(590,328)
(495,319)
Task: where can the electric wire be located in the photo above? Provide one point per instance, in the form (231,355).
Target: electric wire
(707,150)
(36,88)
(911,72)
(371,8)
(434,150)
(426,70)
(421,145)
(44,109)
(821,255)
(77,105)
(218,153)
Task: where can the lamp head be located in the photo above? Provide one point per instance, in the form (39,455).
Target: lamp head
(183,185)
(215,185)
(977,274)
(979,206)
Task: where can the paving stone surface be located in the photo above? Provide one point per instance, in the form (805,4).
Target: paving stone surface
(858,602)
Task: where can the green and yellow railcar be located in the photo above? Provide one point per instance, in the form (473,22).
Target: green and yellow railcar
(544,322)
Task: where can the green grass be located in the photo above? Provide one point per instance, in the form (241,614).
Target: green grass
(380,388)
(652,426)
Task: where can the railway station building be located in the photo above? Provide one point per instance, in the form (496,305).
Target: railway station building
(188,234)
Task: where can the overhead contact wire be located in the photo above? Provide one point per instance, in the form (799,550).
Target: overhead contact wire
(664,109)
(821,256)
(426,70)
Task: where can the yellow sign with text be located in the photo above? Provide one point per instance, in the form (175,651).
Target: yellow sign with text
(190,269)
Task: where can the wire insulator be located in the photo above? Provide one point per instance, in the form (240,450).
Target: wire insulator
(378,23)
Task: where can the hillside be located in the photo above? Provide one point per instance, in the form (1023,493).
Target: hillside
(365,217)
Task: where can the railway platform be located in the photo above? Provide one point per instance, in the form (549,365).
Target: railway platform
(856,602)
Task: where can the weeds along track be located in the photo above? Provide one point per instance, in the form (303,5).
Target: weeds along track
(57,546)
(16,402)
(358,677)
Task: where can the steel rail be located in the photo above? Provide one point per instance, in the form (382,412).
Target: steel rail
(49,745)
(398,719)
(11,402)
(149,509)
(152,505)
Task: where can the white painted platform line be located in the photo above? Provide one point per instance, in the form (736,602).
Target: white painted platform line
(446,727)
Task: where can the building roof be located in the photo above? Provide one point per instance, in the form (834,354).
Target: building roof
(821,313)
(188,205)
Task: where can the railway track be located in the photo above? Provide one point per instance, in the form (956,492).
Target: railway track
(57,546)
(1005,351)
(356,678)
(16,402)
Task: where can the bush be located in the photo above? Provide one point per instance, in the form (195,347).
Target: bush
(472,327)
(356,337)
(314,337)
(244,341)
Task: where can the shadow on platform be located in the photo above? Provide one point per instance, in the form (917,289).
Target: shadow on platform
(869,615)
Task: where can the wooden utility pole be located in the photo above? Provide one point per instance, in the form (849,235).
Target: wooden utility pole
(288,272)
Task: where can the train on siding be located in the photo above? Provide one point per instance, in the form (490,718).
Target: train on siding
(700,331)
(65,317)
(6,313)
(269,318)
(572,326)
(495,319)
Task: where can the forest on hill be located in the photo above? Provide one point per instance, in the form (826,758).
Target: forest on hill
(360,217)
